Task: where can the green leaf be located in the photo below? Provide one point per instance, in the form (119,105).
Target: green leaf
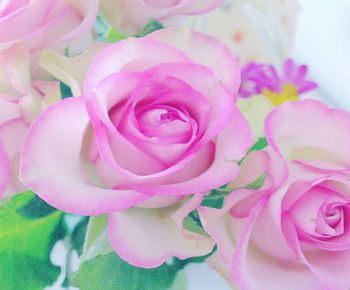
(261,144)
(150,27)
(65,91)
(213,201)
(112,35)
(78,235)
(96,240)
(180,282)
(66,51)
(193,223)
(25,272)
(36,208)
(199,259)
(100,26)
(217,196)
(258,183)
(109,272)
(25,246)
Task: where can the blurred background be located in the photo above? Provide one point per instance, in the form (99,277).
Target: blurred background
(314,32)
(322,40)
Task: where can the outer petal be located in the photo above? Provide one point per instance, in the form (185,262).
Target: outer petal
(235,139)
(52,166)
(311,133)
(130,16)
(14,71)
(250,268)
(225,224)
(71,71)
(8,7)
(167,3)
(39,8)
(218,224)
(148,237)
(9,111)
(88,10)
(200,47)
(44,25)
(253,166)
(130,55)
(12,134)
(254,270)
(215,263)
(330,268)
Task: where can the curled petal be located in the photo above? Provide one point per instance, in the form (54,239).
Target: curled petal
(44,26)
(71,71)
(52,167)
(294,130)
(130,55)
(161,234)
(252,269)
(12,134)
(199,48)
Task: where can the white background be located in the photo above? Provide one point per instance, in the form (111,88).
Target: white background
(323,42)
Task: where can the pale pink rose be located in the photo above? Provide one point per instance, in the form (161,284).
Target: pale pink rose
(129,16)
(21,99)
(43,23)
(157,122)
(294,236)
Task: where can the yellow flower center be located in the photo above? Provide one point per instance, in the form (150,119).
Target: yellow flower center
(289,93)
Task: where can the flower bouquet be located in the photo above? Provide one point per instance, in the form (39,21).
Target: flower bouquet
(132,147)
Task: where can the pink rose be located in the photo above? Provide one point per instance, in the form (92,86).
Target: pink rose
(129,16)
(295,235)
(21,99)
(43,23)
(157,122)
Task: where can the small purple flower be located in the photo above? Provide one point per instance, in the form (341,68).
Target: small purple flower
(259,77)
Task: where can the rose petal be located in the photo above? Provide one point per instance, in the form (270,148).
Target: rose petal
(9,111)
(40,8)
(130,55)
(199,47)
(294,130)
(71,71)
(48,27)
(52,167)
(331,268)
(161,234)
(12,134)
(252,269)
